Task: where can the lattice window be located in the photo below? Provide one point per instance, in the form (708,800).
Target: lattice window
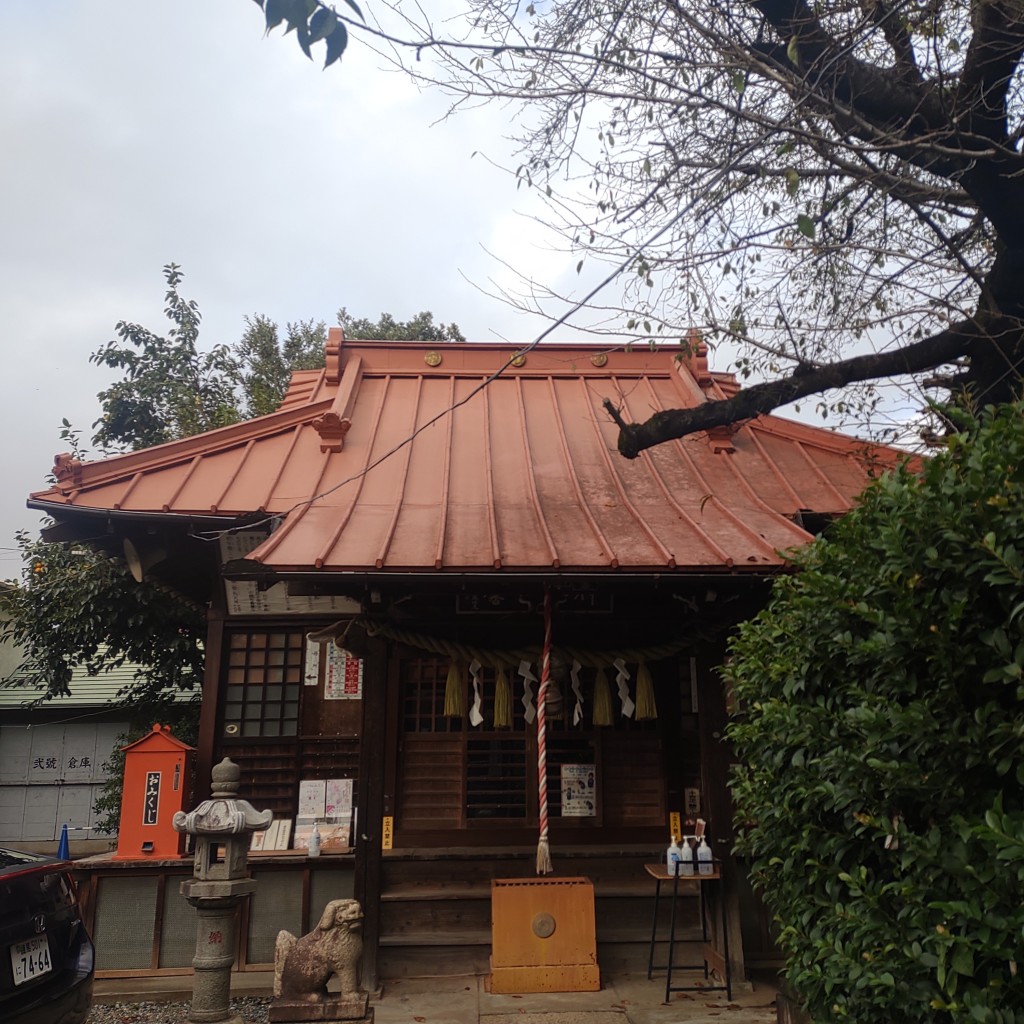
(454,774)
(495,778)
(422,688)
(264,676)
(488,780)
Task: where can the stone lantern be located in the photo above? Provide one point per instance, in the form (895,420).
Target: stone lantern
(221,828)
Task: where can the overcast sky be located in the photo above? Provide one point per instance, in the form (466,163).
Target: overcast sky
(171,130)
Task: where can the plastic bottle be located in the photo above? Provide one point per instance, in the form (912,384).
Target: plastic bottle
(705,862)
(314,841)
(674,857)
(686,864)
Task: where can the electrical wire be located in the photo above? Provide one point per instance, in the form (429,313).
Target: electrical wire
(616,271)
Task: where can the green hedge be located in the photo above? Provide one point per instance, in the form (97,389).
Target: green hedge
(881,744)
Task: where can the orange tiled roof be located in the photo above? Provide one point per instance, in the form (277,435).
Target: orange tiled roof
(523,475)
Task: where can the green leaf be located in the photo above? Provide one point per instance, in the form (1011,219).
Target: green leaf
(336,43)
(296,14)
(806,225)
(963,960)
(321,25)
(275,12)
(793,51)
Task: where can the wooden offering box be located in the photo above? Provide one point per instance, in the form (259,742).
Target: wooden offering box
(543,936)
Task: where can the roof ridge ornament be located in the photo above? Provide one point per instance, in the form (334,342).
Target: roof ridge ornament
(67,471)
(721,437)
(333,425)
(697,359)
(334,346)
(332,430)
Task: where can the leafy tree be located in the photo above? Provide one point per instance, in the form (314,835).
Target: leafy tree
(169,388)
(837,188)
(266,361)
(74,606)
(881,697)
(420,328)
(78,607)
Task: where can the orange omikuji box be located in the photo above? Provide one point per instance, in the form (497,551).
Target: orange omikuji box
(157,770)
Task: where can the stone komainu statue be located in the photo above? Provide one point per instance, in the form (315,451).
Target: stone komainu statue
(303,967)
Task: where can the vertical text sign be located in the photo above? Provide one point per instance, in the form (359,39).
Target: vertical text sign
(151,802)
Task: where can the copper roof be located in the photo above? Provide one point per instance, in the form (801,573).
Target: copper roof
(521,475)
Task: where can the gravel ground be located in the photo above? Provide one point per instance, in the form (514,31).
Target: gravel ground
(251,1010)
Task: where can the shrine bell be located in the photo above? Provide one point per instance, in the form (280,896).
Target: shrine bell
(157,770)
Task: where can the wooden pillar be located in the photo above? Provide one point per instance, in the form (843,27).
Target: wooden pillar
(208,710)
(370,804)
(716,757)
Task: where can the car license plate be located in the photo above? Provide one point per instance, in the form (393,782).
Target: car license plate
(30,959)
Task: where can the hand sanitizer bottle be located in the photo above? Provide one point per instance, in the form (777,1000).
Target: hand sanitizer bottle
(314,841)
(686,865)
(705,862)
(673,858)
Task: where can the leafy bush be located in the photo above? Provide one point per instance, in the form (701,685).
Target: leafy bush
(881,745)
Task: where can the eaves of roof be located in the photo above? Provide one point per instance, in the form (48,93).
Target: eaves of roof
(408,457)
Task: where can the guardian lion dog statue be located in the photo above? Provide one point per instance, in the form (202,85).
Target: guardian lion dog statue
(303,967)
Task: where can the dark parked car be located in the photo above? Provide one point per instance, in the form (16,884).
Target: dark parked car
(46,957)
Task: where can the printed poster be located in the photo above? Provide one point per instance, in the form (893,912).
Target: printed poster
(311,672)
(339,798)
(334,835)
(344,677)
(328,802)
(312,798)
(284,835)
(579,791)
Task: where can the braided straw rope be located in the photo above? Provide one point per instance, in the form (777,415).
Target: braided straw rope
(497,658)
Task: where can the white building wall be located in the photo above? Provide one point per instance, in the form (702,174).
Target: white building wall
(51,775)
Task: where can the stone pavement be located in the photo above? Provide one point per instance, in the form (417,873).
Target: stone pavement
(623,999)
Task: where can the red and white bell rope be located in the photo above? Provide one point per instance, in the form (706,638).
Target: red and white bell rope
(544,866)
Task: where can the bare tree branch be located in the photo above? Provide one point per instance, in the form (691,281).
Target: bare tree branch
(764,398)
(994,53)
(794,179)
(891,24)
